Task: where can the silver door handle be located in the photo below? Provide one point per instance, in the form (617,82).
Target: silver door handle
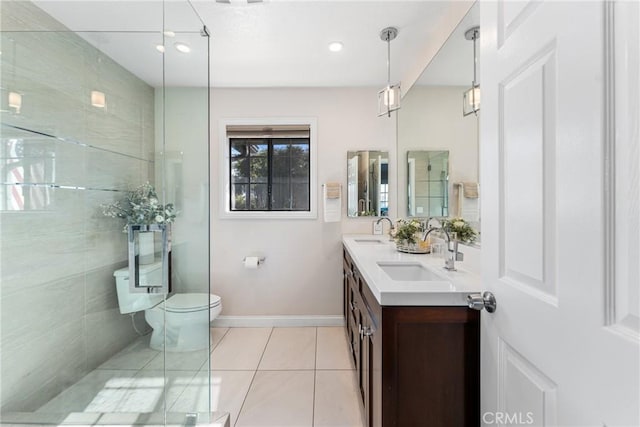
(134,261)
(365,331)
(487,301)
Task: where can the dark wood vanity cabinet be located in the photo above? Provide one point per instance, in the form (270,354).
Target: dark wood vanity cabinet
(415,365)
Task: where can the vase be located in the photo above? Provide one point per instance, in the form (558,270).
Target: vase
(146,250)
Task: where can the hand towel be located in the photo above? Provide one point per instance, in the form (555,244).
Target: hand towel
(332,197)
(470,190)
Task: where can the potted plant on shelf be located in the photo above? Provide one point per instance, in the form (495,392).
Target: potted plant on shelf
(141,207)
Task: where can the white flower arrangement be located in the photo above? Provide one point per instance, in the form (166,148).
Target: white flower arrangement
(462,229)
(408,236)
(140,206)
(406,230)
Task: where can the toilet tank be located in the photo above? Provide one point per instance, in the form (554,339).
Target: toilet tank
(130,302)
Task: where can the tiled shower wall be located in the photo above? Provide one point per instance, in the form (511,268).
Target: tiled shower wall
(59,311)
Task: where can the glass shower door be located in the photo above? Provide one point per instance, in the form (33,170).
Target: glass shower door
(83,123)
(182,172)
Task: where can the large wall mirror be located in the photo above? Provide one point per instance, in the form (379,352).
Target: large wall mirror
(431,124)
(367,183)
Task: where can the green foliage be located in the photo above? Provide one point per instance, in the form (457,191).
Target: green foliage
(140,206)
(463,231)
(405,230)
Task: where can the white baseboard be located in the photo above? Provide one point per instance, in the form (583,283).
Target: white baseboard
(278,321)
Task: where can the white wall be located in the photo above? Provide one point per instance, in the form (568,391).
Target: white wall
(302,272)
(431,119)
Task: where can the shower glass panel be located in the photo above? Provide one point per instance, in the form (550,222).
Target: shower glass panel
(92,109)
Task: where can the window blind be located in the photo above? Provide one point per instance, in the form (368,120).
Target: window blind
(275,131)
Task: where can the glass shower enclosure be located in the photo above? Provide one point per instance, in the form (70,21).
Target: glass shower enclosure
(99,100)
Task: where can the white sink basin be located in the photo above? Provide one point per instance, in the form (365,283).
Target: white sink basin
(409,272)
(369,241)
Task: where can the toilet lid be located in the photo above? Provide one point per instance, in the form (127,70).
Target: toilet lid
(180,303)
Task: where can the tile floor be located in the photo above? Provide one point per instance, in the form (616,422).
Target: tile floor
(281,377)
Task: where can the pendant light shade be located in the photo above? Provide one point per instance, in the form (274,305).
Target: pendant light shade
(471,100)
(389,96)
(389,99)
(471,96)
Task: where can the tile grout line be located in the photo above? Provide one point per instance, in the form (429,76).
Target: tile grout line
(264,350)
(255,372)
(221,338)
(184,390)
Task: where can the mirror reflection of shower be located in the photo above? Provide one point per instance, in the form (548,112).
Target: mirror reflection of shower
(368,183)
(428,183)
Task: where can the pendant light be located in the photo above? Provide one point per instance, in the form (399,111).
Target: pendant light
(471,97)
(389,97)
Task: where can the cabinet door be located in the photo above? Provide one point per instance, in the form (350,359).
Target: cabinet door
(347,272)
(367,382)
(355,319)
(359,312)
(350,306)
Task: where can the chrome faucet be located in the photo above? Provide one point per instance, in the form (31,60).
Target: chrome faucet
(430,219)
(452,254)
(391,227)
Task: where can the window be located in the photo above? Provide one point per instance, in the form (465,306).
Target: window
(269,169)
(269,174)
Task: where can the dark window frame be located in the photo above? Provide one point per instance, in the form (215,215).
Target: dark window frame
(270,142)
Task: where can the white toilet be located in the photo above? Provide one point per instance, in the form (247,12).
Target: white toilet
(185,317)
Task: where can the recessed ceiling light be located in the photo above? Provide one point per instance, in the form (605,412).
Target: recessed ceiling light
(160,48)
(335,46)
(169,33)
(181,47)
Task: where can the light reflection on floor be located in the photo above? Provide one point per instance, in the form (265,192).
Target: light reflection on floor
(300,377)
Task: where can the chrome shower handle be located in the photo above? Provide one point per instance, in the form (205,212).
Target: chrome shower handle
(134,259)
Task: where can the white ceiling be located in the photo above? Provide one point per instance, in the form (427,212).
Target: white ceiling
(272,44)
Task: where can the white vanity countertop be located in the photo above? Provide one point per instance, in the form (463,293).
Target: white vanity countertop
(451,291)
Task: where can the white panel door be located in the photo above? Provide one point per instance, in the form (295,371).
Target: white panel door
(562,347)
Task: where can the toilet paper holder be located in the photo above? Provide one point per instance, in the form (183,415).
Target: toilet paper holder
(260,260)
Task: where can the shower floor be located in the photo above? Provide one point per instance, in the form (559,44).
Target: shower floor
(260,376)
(133,380)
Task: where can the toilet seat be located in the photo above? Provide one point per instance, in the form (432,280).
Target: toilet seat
(188,303)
